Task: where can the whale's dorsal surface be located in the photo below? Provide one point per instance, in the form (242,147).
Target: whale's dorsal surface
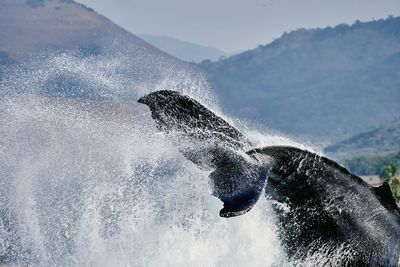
(324,202)
(289,160)
(326,208)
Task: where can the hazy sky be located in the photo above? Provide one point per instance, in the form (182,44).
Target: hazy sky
(233,25)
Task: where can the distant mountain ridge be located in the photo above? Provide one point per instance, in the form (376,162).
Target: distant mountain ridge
(370,164)
(182,49)
(383,140)
(324,84)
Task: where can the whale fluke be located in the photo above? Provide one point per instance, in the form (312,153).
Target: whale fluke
(238,181)
(213,144)
(321,207)
(174,112)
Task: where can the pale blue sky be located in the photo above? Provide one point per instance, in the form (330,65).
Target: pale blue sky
(234,25)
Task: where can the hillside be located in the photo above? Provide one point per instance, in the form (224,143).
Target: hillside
(370,164)
(63,48)
(324,84)
(368,153)
(379,141)
(183,50)
(29,26)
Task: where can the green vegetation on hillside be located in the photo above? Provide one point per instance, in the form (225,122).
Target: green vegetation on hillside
(370,164)
(395,186)
(368,153)
(389,171)
(389,174)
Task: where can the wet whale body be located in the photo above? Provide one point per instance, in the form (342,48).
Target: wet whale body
(326,215)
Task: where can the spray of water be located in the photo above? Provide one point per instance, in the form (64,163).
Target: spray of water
(93,183)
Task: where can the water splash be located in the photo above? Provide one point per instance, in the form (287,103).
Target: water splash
(86,179)
(87,190)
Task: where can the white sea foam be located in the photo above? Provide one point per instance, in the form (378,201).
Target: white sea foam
(93,183)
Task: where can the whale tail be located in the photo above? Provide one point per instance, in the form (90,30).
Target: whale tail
(195,130)
(174,112)
(325,200)
(213,144)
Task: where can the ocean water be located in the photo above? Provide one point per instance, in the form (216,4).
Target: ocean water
(94,183)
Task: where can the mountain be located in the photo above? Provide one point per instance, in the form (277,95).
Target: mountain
(183,50)
(40,25)
(383,140)
(370,164)
(368,153)
(323,84)
(30,26)
(62,48)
